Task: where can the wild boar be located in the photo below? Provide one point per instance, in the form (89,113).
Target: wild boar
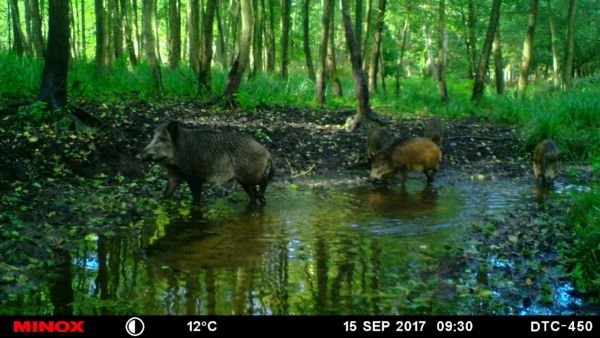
(545,161)
(378,139)
(200,156)
(434,130)
(415,154)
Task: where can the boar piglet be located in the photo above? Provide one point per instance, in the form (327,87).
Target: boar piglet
(199,156)
(415,154)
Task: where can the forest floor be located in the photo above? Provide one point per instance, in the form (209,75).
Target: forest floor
(59,183)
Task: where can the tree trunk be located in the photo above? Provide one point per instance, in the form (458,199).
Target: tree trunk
(498,63)
(306,39)
(321,73)
(271,39)
(221,51)
(285,34)
(257,43)
(36,39)
(365,46)
(83,44)
(442,51)
(53,88)
(194,34)
(136,29)
(233,28)
(101,37)
(404,40)
(568,68)
(174,33)
(472,39)
(149,32)
(118,30)
(130,38)
(332,74)
(241,61)
(376,48)
(358,12)
(204,75)
(72,28)
(19,41)
(554,42)
(482,70)
(109,16)
(430,68)
(360,85)
(527,48)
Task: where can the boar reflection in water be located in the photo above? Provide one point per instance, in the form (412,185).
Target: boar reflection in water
(198,156)
(193,246)
(390,202)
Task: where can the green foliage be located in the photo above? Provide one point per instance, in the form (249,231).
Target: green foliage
(584,217)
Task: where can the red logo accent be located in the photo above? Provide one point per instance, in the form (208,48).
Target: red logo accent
(61,326)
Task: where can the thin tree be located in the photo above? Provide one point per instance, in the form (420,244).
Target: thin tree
(83,44)
(553,43)
(568,68)
(221,50)
(358,12)
(204,77)
(285,34)
(241,61)
(174,33)
(527,48)
(19,41)
(376,48)
(360,85)
(148,22)
(442,51)
(498,63)
(403,43)
(482,70)
(366,38)
(332,73)
(193,26)
(101,37)
(130,37)
(257,41)
(321,72)
(472,39)
(306,39)
(271,38)
(53,88)
(35,37)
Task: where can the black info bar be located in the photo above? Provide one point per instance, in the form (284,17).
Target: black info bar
(333,325)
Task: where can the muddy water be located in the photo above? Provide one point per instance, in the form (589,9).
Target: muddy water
(325,247)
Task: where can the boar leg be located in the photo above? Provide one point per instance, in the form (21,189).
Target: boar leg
(196,188)
(261,191)
(171,186)
(250,189)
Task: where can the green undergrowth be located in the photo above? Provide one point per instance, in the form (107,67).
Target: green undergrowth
(572,119)
(584,218)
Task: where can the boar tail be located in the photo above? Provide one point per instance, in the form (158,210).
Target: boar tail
(269,172)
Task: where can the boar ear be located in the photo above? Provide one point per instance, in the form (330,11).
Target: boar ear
(173,129)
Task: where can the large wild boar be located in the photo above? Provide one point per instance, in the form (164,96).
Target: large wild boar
(545,161)
(434,130)
(378,139)
(415,154)
(200,156)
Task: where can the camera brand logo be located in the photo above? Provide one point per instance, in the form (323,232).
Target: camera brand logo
(60,326)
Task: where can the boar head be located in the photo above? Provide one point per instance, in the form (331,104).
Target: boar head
(381,166)
(162,146)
